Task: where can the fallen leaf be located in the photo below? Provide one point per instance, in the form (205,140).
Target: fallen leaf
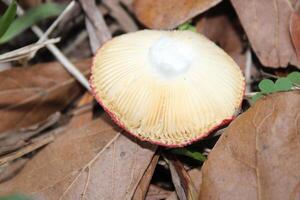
(183,183)
(10,170)
(95,24)
(221,30)
(93,162)
(196,180)
(82,116)
(142,188)
(168,14)
(119,13)
(257,157)
(13,140)
(267,26)
(295,28)
(29,95)
(155,193)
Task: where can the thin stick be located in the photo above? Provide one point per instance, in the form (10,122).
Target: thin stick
(56,52)
(26,50)
(42,142)
(58,19)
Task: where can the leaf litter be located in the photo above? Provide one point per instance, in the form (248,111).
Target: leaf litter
(90,158)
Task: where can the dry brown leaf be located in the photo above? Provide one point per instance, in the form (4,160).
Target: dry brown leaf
(168,14)
(196,179)
(267,26)
(13,140)
(295,29)
(30,95)
(257,157)
(220,29)
(85,116)
(95,24)
(119,13)
(93,162)
(156,192)
(142,188)
(183,183)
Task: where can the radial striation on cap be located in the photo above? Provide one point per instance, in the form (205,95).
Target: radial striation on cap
(167,87)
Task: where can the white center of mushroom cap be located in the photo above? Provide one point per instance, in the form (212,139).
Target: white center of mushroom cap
(170,57)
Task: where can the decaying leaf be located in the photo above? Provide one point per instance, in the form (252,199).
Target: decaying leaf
(295,28)
(266,23)
(168,14)
(258,155)
(221,30)
(183,183)
(142,188)
(30,95)
(196,179)
(155,192)
(93,162)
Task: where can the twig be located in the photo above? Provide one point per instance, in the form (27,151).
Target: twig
(56,52)
(268,74)
(79,38)
(96,26)
(121,15)
(250,94)
(13,140)
(58,19)
(25,51)
(41,142)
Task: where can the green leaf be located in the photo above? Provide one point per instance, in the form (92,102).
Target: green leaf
(294,77)
(30,18)
(14,197)
(266,86)
(192,154)
(187,26)
(283,84)
(7,18)
(257,96)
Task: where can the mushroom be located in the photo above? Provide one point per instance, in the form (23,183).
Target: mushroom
(167,87)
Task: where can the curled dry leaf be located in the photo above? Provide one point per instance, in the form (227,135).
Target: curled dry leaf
(30,95)
(93,162)
(267,26)
(258,155)
(168,14)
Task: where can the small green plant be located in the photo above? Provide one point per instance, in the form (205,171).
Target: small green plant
(267,86)
(31,17)
(7,18)
(187,26)
(15,197)
(189,153)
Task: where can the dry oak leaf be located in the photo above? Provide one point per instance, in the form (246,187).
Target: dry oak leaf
(31,94)
(93,162)
(266,23)
(219,28)
(295,28)
(168,14)
(257,157)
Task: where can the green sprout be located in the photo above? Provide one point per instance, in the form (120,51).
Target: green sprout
(267,86)
(187,26)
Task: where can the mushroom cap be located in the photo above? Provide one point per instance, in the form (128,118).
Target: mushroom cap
(167,87)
